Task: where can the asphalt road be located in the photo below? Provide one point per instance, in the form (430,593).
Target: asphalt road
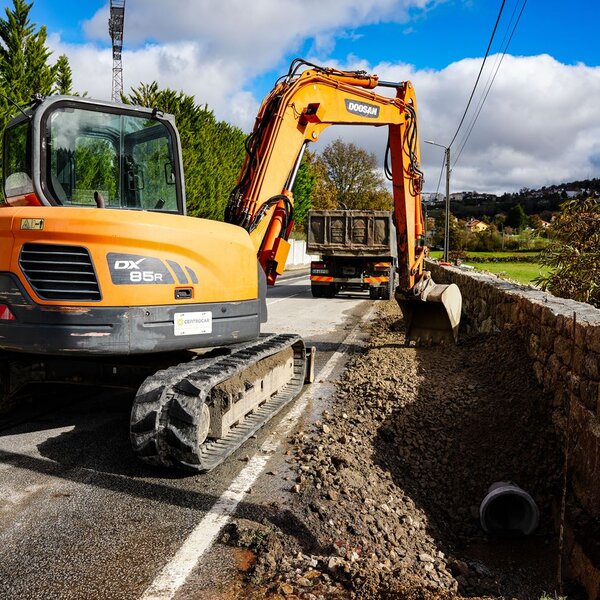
(81,518)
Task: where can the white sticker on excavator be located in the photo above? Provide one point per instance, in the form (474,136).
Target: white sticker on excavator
(193,323)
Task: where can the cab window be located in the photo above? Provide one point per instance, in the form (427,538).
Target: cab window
(128,160)
(17,160)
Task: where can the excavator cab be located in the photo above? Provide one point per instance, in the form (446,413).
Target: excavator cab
(72,152)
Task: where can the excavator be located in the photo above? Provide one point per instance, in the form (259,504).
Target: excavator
(105,281)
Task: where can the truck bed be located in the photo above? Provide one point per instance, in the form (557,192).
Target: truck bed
(351,233)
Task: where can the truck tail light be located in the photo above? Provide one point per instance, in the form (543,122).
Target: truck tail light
(318,268)
(6,313)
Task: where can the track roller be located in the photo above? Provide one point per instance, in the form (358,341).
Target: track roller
(196,414)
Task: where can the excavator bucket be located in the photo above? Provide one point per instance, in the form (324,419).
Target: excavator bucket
(432,318)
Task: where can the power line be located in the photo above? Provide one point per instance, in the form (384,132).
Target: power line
(497,58)
(489,87)
(480,70)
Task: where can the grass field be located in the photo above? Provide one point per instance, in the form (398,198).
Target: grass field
(438,254)
(521,272)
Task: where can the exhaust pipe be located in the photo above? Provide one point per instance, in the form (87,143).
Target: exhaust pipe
(508,510)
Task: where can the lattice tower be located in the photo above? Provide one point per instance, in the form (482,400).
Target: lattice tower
(116,22)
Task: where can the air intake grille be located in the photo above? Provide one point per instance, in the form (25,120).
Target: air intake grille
(60,272)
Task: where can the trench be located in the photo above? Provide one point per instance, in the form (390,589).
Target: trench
(392,480)
(478,416)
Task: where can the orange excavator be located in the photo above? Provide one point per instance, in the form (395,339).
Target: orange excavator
(105,281)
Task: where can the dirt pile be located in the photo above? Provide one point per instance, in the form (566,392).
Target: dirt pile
(389,481)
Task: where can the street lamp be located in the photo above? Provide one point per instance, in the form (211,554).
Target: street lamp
(447,220)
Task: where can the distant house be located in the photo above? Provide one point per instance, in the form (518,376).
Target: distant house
(475,225)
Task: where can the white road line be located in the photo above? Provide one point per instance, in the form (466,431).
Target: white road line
(178,569)
(281,299)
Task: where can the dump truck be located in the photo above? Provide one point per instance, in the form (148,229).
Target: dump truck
(358,252)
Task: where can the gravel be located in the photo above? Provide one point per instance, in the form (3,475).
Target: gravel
(389,480)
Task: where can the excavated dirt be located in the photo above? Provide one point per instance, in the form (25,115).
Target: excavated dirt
(389,481)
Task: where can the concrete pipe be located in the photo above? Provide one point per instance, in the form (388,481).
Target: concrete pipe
(508,510)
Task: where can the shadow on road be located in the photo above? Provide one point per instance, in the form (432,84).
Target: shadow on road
(95,451)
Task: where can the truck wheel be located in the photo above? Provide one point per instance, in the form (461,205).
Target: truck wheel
(329,291)
(387,290)
(373,293)
(317,291)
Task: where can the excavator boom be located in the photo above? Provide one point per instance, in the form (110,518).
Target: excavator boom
(295,113)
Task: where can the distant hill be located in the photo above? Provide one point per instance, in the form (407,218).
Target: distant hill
(543,201)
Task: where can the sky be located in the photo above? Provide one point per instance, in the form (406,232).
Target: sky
(539,124)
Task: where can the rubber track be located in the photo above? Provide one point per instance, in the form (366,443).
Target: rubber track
(166,410)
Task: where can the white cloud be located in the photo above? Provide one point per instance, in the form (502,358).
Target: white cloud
(179,66)
(540,123)
(214,50)
(235,25)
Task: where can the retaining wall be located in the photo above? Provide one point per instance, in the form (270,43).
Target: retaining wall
(566,361)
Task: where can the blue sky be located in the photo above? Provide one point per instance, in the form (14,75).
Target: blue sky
(449,32)
(229,58)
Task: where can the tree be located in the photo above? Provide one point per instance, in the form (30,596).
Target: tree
(213,151)
(351,174)
(573,254)
(456,230)
(63,79)
(24,62)
(24,66)
(516,218)
(302,190)
(324,194)
(535,222)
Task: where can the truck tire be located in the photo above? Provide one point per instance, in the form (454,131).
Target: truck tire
(373,292)
(329,291)
(387,290)
(317,290)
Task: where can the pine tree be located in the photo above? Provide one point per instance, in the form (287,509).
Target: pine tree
(517,219)
(24,68)
(63,80)
(14,31)
(39,75)
(24,62)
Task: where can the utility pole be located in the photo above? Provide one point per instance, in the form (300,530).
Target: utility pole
(447,219)
(116,23)
(447,232)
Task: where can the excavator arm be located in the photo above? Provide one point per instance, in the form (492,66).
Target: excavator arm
(298,109)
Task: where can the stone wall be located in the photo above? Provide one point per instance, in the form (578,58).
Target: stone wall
(562,337)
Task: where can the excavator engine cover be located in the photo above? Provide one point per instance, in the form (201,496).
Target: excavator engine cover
(434,317)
